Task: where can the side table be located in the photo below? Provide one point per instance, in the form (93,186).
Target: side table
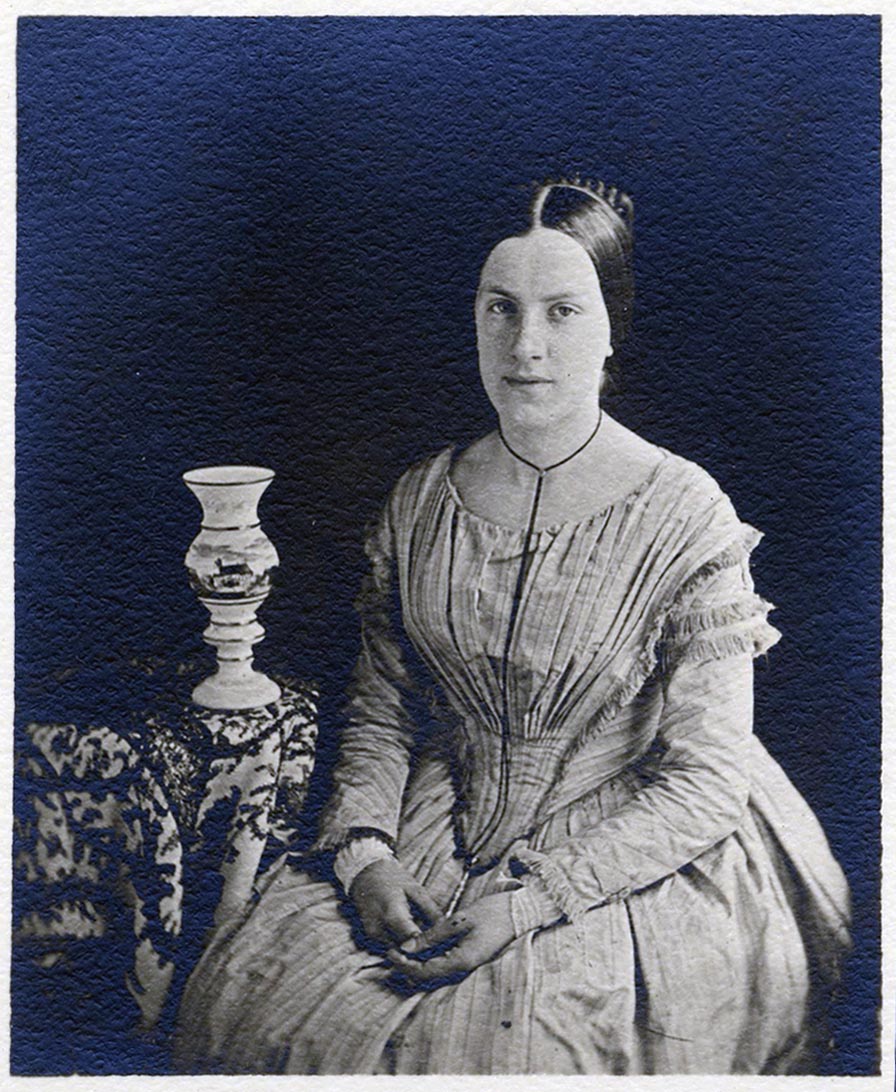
(132,840)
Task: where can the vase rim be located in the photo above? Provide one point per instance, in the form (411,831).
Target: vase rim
(228,475)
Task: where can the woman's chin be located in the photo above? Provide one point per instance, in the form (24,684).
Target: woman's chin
(527,415)
(535,418)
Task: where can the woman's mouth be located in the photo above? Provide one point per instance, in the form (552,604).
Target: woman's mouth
(526,380)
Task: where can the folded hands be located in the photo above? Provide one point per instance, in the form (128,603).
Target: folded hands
(425,948)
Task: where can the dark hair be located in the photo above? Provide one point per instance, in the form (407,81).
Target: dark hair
(601,219)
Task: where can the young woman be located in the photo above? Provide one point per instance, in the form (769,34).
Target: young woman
(550,817)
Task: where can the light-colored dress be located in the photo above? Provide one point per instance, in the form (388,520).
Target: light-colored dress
(703,913)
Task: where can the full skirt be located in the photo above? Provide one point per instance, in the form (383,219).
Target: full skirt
(722,967)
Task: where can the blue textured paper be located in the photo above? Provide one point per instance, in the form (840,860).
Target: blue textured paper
(256,240)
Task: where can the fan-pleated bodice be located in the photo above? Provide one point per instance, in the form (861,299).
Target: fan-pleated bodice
(594,598)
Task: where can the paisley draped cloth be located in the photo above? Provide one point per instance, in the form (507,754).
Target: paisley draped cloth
(702,913)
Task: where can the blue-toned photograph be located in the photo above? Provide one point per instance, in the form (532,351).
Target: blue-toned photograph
(447,546)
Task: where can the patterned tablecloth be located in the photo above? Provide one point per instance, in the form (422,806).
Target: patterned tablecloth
(131,841)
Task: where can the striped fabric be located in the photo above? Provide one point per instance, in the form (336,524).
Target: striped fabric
(697,887)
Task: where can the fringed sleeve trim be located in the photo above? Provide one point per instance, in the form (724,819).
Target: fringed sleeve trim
(533,907)
(714,633)
(628,686)
(335,836)
(733,554)
(555,882)
(685,624)
(755,640)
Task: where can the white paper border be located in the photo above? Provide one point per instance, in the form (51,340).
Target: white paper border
(10,11)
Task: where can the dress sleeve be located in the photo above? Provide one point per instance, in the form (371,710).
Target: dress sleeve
(378,735)
(696,792)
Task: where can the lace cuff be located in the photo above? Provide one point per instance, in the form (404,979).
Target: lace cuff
(532,907)
(552,880)
(356,856)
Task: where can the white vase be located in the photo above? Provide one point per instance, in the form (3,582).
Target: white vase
(231,562)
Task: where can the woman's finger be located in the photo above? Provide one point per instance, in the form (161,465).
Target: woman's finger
(427,905)
(416,969)
(371,924)
(447,930)
(450,964)
(399,921)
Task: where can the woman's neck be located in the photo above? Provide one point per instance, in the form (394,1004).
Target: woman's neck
(546,445)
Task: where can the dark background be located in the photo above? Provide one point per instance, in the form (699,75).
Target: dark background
(257,240)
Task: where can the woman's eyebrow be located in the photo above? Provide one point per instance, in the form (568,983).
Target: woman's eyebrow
(496,290)
(571,294)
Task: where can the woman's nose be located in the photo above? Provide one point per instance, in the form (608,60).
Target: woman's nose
(530,343)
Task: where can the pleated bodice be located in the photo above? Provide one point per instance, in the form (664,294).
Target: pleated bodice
(591,609)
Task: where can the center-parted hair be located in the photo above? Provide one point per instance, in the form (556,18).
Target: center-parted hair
(601,219)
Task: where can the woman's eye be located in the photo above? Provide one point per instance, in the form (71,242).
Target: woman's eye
(563,310)
(502,307)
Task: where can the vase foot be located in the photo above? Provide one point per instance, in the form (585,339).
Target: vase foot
(250,691)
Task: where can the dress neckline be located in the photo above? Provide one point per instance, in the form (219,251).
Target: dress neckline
(554,528)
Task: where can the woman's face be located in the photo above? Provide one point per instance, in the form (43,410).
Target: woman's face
(542,329)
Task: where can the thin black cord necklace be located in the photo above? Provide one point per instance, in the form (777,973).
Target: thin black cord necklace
(473,866)
(542,470)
